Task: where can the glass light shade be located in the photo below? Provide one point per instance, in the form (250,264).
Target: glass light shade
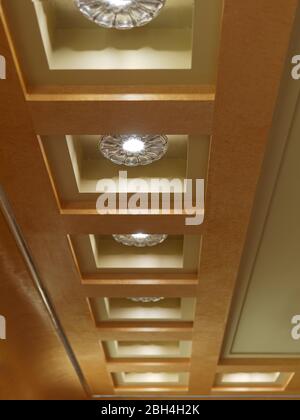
(132,150)
(146,299)
(140,240)
(120,14)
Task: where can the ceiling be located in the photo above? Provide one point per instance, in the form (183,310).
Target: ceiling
(268,294)
(207,75)
(70,51)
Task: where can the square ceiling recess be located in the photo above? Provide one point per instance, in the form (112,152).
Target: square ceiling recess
(126,310)
(148,380)
(102,254)
(57,45)
(77,167)
(148,349)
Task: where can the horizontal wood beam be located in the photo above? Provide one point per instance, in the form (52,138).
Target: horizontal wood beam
(144,365)
(259,365)
(194,92)
(110,331)
(126,224)
(130,113)
(137,288)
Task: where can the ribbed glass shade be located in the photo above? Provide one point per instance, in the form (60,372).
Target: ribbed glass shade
(120,14)
(133,150)
(140,240)
(146,299)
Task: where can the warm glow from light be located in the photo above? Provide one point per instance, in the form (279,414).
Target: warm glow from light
(140,236)
(151,377)
(133,145)
(119,3)
(250,378)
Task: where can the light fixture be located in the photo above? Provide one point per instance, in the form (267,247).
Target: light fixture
(150,377)
(133,150)
(120,14)
(250,378)
(140,240)
(146,299)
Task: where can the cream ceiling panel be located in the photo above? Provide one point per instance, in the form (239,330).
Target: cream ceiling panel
(268,294)
(57,45)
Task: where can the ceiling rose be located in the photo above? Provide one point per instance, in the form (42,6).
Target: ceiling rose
(120,14)
(133,150)
(140,240)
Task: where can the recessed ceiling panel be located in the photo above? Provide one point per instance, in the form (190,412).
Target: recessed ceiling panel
(253,382)
(58,45)
(124,309)
(79,169)
(148,349)
(102,254)
(124,379)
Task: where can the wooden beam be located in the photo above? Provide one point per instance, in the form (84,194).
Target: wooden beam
(145,365)
(250,69)
(112,331)
(126,113)
(135,288)
(109,224)
(259,365)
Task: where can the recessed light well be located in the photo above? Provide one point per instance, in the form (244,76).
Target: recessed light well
(146,299)
(133,150)
(250,378)
(151,379)
(120,14)
(148,349)
(124,310)
(140,240)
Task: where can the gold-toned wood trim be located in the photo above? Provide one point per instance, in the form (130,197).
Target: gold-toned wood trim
(138,365)
(125,391)
(137,288)
(109,224)
(259,365)
(132,332)
(130,114)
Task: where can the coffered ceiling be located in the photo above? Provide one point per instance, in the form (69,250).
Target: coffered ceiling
(180,47)
(206,75)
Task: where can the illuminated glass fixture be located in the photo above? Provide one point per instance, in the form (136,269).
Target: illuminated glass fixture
(146,299)
(133,150)
(120,14)
(140,240)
